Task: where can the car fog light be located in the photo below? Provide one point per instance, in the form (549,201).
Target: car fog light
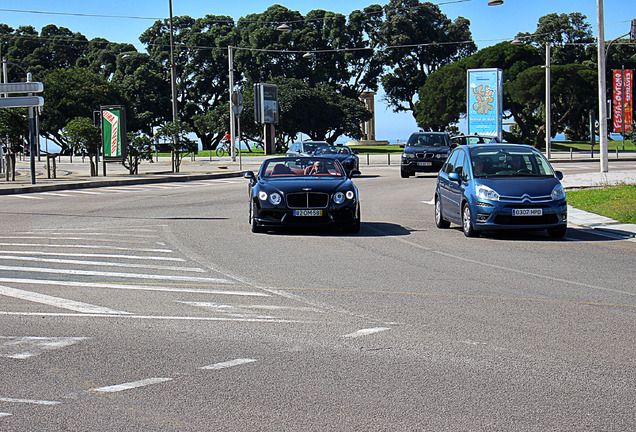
(350,195)
(262,195)
(482,217)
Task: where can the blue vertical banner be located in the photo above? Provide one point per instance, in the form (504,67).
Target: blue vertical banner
(484,95)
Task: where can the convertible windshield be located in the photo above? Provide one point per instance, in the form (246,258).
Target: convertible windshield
(507,162)
(325,149)
(301,167)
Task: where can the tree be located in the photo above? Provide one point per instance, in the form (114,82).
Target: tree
(418,39)
(176,134)
(81,134)
(69,94)
(139,149)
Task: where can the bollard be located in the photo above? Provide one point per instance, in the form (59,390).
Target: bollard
(388,157)
(616,152)
(367,158)
(571,154)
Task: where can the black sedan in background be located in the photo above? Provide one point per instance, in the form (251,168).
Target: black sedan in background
(347,157)
(425,152)
(303,191)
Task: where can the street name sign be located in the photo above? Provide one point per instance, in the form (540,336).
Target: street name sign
(21,101)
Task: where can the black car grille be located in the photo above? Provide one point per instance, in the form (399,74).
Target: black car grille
(425,155)
(307,200)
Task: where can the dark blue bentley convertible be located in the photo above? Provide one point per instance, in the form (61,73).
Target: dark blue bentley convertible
(303,191)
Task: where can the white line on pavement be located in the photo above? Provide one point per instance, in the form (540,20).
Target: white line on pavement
(3,414)
(366,332)
(115,274)
(127,235)
(102,263)
(227,364)
(92,239)
(131,385)
(157,317)
(55,194)
(263,307)
(56,301)
(85,192)
(26,196)
(29,401)
(44,245)
(130,287)
(94,255)
(22,347)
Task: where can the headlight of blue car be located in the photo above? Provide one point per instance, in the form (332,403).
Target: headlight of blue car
(558,193)
(486,193)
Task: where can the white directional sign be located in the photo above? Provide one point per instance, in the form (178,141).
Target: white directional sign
(21,101)
(22,87)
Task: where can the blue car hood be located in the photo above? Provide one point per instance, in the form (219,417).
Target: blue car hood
(518,186)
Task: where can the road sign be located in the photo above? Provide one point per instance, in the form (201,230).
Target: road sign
(237,98)
(22,87)
(21,101)
(237,109)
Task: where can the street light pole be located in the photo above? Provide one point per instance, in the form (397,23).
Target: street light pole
(230,68)
(173,85)
(548,105)
(602,90)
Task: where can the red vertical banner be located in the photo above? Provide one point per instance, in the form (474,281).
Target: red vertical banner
(623,97)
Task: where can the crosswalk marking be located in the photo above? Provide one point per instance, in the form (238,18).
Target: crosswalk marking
(46,245)
(366,332)
(131,385)
(29,401)
(56,301)
(94,255)
(22,347)
(102,263)
(227,364)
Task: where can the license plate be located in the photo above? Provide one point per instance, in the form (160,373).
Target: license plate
(424,163)
(307,212)
(527,212)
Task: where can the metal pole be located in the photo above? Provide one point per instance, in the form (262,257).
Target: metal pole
(173,85)
(548,105)
(4,80)
(31,136)
(602,91)
(238,122)
(230,68)
(622,106)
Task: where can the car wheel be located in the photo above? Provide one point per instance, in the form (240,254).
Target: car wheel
(439,219)
(354,228)
(557,232)
(255,227)
(467,223)
(404,174)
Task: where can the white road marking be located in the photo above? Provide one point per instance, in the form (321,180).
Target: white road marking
(115,274)
(94,255)
(128,235)
(4,414)
(263,307)
(102,263)
(92,239)
(56,301)
(227,364)
(431,202)
(157,317)
(131,385)
(85,192)
(130,287)
(55,194)
(44,245)
(22,347)
(29,401)
(366,332)
(26,196)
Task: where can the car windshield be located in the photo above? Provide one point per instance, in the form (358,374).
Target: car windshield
(428,140)
(499,161)
(309,147)
(301,167)
(327,149)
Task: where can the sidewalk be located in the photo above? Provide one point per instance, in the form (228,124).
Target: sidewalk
(76,176)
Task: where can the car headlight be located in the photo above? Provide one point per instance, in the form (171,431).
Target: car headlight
(275,198)
(262,195)
(350,195)
(339,197)
(486,193)
(441,155)
(558,193)
(407,155)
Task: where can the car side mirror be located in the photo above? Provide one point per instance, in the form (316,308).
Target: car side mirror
(453,176)
(559,175)
(249,175)
(354,173)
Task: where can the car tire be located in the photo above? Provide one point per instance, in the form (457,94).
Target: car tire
(557,232)
(255,227)
(440,222)
(467,223)
(404,174)
(354,228)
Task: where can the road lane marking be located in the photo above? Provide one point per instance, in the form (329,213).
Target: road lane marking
(94,255)
(131,385)
(102,263)
(92,239)
(131,287)
(228,364)
(127,235)
(115,274)
(4,414)
(29,401)
(85,192)
(26,196)
(56,301)
(157,317)
(228,308)
(23,347)
(55,194)
(366,332)
(101,247)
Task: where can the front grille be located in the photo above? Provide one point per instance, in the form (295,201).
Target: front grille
(307,200)
(425,155)
(527,220)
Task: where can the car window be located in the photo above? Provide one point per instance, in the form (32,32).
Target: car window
(450,162)
(497,161)
(425,139)
(459,166)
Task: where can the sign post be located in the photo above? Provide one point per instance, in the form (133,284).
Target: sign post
(114,143)
(266,112)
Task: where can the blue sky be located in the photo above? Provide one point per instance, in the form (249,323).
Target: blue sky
(489,24)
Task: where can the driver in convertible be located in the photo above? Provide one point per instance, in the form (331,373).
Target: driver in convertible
(317,168)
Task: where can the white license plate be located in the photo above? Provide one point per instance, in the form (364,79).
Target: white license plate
(527,212)
(307,212)
(424,163)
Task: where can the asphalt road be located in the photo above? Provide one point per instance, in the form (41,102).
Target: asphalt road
(154,307)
